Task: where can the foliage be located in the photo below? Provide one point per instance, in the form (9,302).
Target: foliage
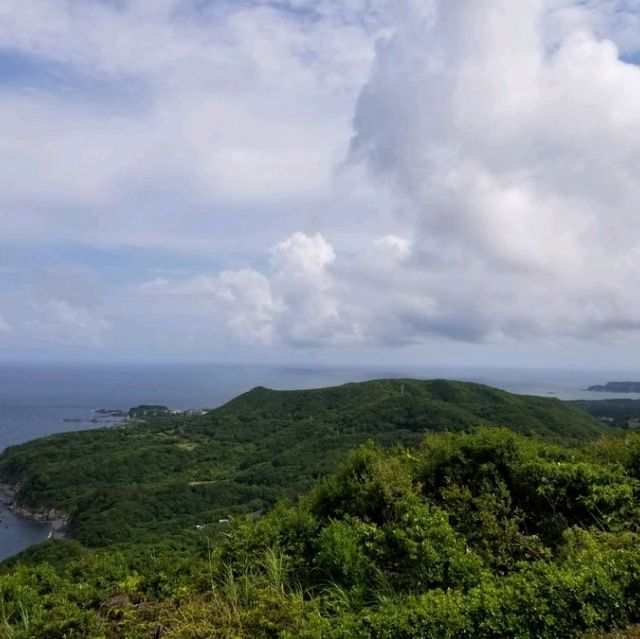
(146,411)
(484,533)
(145,481)
(618,412)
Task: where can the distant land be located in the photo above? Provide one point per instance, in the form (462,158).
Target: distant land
(616,387)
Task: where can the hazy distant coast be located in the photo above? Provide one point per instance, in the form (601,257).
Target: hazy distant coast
(616,387)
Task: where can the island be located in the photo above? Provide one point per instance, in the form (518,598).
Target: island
(616,387)
(110,412)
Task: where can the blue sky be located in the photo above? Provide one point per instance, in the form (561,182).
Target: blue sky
(357,181)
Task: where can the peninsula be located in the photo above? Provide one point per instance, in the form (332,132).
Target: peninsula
(616,387)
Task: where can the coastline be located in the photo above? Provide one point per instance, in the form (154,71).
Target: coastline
(59,521)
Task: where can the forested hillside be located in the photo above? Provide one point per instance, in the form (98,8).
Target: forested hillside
(148,481)
(487,535)
(622,413)
(388,510)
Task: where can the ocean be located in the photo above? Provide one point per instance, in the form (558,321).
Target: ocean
(40,400)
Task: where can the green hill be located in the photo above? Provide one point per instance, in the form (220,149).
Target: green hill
(156,480)
(487,534)
(416,405)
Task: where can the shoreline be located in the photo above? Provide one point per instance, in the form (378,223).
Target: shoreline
(58,521)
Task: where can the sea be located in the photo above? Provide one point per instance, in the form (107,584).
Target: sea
(37,400)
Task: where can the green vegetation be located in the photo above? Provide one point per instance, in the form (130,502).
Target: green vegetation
(153,480)
(622,413)
(630,633)
(148,411)
(430,527)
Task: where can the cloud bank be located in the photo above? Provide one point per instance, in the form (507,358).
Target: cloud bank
(153,122)
(506,137)
(297,173)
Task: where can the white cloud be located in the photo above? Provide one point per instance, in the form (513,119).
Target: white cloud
(511,160)
(515,165)
(617,20)
(69,324)
(223,107)
(255,310)
(303,257)
(296,302)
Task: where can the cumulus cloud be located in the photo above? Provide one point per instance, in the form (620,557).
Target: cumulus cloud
(4,325)
(303,258)
(515,163)
(512,158)
(296,301)
(617,20)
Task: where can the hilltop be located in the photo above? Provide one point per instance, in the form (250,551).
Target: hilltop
(418,405)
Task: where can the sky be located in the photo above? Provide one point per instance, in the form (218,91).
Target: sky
(320,181)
